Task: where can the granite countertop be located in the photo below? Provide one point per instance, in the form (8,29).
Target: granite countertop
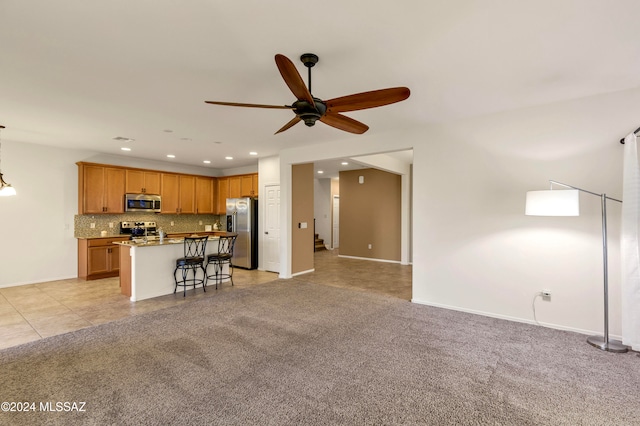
(201,233)
(167,241)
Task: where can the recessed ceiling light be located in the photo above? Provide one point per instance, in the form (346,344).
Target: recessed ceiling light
(344,163)
(320,172)
(228,158)
(125,149)
(185,139)
(253,153)
(171,156)
(207,162)
(168,131)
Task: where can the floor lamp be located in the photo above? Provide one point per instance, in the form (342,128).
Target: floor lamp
(567,203)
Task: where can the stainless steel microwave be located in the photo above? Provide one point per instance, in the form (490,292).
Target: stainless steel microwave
(142,203)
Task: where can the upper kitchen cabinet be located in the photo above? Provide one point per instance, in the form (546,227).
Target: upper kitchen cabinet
(205,195)
(249,185)
(178,193)
(243,186)
(235,187)
(142,182)
(223,194)
(101,189)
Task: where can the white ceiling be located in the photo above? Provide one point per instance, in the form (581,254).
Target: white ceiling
(77,73)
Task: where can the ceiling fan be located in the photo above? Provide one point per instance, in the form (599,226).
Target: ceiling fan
(310,109)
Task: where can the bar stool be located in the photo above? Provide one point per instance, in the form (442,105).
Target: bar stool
(193,259)
(226,242)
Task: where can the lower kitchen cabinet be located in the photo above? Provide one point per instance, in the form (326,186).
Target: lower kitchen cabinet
(98,257)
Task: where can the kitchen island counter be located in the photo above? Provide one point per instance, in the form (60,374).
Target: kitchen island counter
(146,269)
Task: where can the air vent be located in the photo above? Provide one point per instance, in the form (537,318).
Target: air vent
(122,139)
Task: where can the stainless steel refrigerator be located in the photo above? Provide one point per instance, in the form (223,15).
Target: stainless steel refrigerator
(242,218)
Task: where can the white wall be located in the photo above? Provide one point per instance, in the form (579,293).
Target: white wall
(36,226)
(474,249)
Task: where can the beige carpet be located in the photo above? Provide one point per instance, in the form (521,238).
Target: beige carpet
(292,352)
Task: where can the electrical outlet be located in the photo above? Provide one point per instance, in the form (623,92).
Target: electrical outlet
(92,225)
(200,222)
(110,224)
(171,223)
(546,293)
(370,246)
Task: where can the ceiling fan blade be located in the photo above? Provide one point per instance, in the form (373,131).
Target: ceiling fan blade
(292,77)
(372,99)
(249,105)
(289,125)
(343,122)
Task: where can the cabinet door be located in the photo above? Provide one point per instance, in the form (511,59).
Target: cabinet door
(98,261)
(135,181)
(254,179)
(170,192)
(92,189)
(151,183)
(114,258)
(246,186)
(234,187)
(204,195)
(223,194)
(139,181)
(114,190)
(103,190)
(187,194)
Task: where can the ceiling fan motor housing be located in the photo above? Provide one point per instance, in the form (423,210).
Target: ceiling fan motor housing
(310,113)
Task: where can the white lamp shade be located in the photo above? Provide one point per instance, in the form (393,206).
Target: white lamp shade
(6,191)
(563,202)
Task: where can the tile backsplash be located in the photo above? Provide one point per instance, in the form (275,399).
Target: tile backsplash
(111,223)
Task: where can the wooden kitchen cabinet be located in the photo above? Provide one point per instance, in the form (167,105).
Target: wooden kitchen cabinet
(98,258)
(235,187)
(249,185)
(223,194)
(205,195)
(142,182)
(101,189)
(178,193)
(254,180)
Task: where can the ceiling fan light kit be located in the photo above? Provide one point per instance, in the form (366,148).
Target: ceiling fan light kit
(310,109)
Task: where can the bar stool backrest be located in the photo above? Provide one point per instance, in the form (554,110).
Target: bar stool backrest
(226,243)
(194,247)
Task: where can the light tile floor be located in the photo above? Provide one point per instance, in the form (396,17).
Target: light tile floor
(34,311)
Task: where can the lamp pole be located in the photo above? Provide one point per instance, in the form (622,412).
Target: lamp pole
(603,342)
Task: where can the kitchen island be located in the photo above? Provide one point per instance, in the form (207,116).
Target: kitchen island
(146,269)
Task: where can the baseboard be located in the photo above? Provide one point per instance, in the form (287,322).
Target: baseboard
(514,319)
(303,272)
(38,281)
(369,258)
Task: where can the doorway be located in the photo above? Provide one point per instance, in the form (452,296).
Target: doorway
(271,244)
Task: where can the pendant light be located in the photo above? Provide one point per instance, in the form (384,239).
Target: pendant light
(5,188)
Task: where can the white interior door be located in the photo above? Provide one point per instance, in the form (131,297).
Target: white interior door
(335,240)
(271,244)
